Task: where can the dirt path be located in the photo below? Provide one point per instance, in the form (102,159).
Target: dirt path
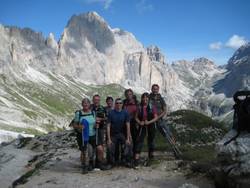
(64,171)
(52,161)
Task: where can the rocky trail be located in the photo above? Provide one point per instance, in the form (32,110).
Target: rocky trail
(53,161)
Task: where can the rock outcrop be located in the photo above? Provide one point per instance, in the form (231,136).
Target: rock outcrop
(155,54)
(233,168)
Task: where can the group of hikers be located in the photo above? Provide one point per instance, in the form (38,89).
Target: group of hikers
(114,135)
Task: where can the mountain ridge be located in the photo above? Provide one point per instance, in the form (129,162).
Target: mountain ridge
(35,69)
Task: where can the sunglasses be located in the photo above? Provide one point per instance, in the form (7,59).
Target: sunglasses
(118,103)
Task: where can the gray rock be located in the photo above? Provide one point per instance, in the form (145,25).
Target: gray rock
(155,54)
(233,167)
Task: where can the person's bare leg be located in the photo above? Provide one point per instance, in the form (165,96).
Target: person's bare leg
(100,153)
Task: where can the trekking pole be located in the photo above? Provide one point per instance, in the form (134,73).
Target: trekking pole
(96,135)
(140,131)
(139,135)
(234,138)
(177,152)
(96,139)
(169,139)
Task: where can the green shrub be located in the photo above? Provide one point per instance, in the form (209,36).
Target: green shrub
(196,120)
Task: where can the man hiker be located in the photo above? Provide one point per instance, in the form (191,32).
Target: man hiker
(100,131)
(84,125)
(146,116)
(157,100)
(118,121)
(110,105)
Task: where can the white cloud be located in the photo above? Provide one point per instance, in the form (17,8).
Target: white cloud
(143,6)
(106,3)
(236,41)
(215,46)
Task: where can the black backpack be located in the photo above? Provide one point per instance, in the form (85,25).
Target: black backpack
(241,119)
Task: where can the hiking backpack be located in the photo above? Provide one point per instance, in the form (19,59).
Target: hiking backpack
(241,119)
(73,122)
(157,101)
(242,111)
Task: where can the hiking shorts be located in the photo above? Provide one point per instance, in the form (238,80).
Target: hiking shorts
(101,133)
(92,141)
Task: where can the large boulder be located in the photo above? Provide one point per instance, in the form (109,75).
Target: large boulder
(233,169)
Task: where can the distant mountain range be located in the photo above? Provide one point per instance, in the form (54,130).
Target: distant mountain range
(42,81)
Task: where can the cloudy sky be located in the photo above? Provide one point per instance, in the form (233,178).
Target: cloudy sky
(183,29)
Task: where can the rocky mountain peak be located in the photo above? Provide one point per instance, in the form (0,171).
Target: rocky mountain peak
(197,63)
(95,15)
(201,64)
(203,61)
(25,34)
(155,54)
(240,56)
(90,16)
(88,27)
(238,75)
(182,63)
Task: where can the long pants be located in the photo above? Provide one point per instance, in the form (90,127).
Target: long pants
(118,140)
(143,131)
(134,128)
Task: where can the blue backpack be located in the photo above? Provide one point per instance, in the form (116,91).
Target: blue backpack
(84,122)
(85,131)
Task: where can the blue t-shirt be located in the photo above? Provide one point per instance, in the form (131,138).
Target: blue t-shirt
(118,120)
(90,119)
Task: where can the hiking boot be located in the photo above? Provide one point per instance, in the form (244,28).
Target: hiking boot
(104,166)
(129,165)
(151,155)
(115,164)
(91,166)
(136,162)
(84,169)
(148,163)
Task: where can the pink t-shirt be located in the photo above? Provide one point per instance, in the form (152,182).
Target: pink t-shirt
(131,108)
(145,114)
